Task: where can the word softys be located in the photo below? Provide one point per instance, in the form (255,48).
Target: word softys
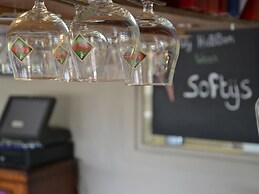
(231,91)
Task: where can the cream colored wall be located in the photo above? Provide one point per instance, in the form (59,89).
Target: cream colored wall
(102,120)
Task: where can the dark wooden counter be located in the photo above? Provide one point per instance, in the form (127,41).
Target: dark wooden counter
(55,178)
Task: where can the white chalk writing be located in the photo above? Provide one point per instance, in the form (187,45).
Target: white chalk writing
(231,91)
(214,40)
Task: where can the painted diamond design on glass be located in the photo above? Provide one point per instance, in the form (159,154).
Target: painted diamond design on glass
(60,54)
(21,49)
(81,47)
(129,55)
(140,57)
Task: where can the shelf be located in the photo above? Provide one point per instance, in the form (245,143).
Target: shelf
(64,9)
(189,20)
(195,21)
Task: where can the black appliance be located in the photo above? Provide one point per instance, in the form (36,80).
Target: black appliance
(26,139)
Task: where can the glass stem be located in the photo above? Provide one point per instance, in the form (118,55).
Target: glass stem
(105,1)
(148,7)
(39,4)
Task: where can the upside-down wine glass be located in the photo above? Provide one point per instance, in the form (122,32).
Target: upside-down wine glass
(38,44)
(5,66)
(71,73)
(159,48)
(104,38)
(257,114)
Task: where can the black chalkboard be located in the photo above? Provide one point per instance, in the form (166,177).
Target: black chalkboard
(216,85)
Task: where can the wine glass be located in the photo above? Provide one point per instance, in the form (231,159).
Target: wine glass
(38,44)
(257,113)
(5,66)
(159,48)
(104,39)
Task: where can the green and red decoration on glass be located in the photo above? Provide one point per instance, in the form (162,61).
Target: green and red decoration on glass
(140,57)
(81,47)
(129,55)
(21,49)
(60,54)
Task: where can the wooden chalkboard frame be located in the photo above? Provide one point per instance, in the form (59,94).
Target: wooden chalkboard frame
(146,140)
(147,137)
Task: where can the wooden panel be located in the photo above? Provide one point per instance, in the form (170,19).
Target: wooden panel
(58,177)
(55,178)
(12,175)
(182,18)
(13,187)
(64,9)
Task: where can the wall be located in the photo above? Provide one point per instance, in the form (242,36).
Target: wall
(102,119)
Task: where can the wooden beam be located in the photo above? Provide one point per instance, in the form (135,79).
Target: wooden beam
(181,18)
(67,11)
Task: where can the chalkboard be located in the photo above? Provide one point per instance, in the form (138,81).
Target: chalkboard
(216,85)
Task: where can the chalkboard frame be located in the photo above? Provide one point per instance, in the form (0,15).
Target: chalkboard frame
(147,137)
(146,140)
